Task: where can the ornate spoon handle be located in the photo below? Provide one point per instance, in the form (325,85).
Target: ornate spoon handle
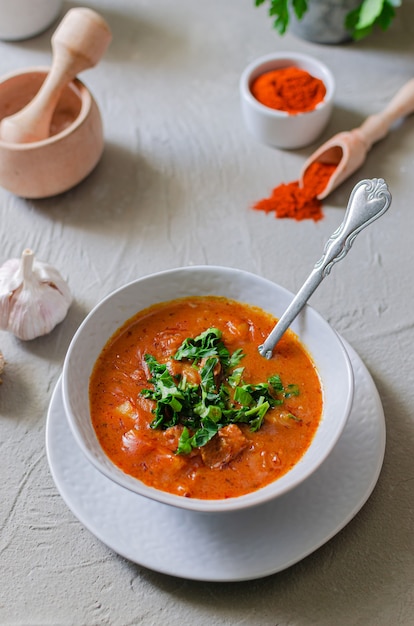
(368,201)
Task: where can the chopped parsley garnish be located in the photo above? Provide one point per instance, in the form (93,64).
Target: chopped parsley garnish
(221,397)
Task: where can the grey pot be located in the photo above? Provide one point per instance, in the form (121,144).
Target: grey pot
(324,22)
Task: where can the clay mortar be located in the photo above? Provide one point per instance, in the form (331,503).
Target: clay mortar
(54,165)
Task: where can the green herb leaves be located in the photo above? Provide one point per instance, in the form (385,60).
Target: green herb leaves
(207,344)
(369,13)
(279,10)
(218,399)
(359,22)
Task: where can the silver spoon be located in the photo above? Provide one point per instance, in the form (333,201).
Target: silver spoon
(369,200)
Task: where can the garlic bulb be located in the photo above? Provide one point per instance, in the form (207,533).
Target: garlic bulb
(1,365)
(33,297)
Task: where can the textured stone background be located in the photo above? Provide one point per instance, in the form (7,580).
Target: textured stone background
(174,187)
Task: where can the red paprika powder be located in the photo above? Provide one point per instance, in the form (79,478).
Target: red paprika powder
(289,89)
(299,203)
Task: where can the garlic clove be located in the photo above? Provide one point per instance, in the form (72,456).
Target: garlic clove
(34,297)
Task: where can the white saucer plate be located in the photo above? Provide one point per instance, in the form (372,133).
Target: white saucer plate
(230,546)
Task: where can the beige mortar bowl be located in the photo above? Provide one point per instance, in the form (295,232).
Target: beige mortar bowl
(54,165)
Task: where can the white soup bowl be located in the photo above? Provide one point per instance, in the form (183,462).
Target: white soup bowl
(316,335)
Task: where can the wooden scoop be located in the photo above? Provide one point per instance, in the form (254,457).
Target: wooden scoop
(78,43)
(348,150)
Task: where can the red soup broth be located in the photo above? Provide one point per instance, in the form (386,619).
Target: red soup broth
(121,416)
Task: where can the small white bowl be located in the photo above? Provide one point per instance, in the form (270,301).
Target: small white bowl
(279,128)
(22,19)
(321,341)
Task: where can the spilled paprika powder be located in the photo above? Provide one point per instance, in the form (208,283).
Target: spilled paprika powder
(289,89)
(299,203)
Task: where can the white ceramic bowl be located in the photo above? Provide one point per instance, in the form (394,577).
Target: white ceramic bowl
(21,19)
(279,128)
(322,342)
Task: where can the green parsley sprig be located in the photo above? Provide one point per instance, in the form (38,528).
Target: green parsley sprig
(202,409)
(360,22)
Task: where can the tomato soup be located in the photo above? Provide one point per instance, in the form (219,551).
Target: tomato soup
(267,411)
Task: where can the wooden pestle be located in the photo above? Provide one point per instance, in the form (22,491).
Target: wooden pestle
(78,43)
(348,150)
